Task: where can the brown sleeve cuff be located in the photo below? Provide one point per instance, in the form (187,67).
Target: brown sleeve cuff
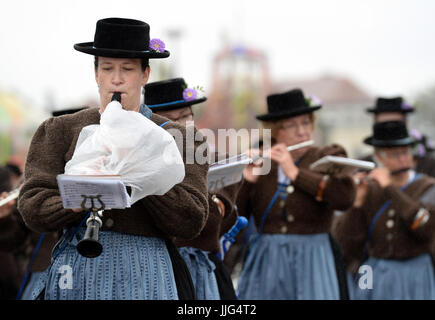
(308,181)
(399,199)
(338,190)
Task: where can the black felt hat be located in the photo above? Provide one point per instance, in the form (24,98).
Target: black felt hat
(288,104)
(389,134)
(395,104)
(121,38)
(169,95)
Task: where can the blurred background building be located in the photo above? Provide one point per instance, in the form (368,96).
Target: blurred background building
(343,118)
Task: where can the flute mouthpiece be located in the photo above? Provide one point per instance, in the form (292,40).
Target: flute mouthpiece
(117,96)
(399,171)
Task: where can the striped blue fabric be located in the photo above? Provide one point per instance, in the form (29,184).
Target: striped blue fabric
(351,284)
(202,272)
(289,267)
(409,279)
(145,111)
(36,279)
(129,268)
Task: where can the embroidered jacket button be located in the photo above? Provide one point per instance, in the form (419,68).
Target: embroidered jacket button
(389,223)
(109,223)
(290,218)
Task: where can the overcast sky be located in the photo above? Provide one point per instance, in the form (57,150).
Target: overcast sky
(386,46)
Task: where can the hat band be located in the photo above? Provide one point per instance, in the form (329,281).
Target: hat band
(164,104)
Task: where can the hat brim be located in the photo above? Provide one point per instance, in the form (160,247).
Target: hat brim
(177,105)
(88,47)
(376,111)
(389,143)
(288,114)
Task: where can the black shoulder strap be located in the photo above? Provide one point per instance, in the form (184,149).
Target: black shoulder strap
(223,279)
(183,280)
(339,268)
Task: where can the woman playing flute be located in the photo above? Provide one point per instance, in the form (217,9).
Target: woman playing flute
(387,235)
(293,255)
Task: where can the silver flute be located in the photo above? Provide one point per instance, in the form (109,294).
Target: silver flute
(11,196)
(289,148)
(256,158)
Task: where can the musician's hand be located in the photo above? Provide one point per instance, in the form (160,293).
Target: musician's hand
(279,154)
(382,176)
(248,173)
(359,177)
(77,210)
(6,209)
(361,182)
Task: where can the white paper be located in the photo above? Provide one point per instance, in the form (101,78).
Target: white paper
(227,172)
(339,164)
(112,190)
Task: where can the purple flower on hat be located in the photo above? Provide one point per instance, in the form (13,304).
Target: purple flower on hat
(157,45)
(416,134)
(189,94)
(313,101)
(421,150)
(406,106)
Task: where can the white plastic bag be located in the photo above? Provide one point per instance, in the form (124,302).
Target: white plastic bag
(128,144)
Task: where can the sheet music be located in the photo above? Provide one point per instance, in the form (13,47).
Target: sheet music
(112,190)
(227,172)
(340,164)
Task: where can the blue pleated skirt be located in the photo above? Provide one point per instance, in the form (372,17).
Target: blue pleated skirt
(289,267)
(35,281)
(202,272)
(351,284)
(129,268)
(410,279)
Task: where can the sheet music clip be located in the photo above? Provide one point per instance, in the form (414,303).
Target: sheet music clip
(89,246)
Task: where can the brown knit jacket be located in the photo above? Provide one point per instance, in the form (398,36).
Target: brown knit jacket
(181,212)
(305,215)
(391,237)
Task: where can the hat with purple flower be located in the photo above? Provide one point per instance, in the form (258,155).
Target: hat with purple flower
(123,38)
(396,104)
(171,94)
